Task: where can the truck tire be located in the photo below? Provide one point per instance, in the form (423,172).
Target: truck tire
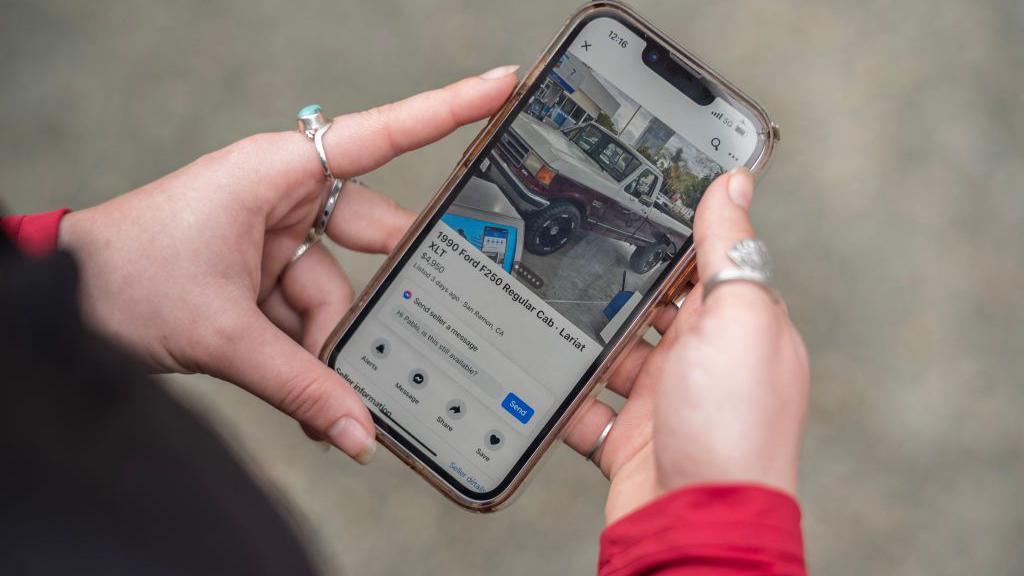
(550,228)
(646,258)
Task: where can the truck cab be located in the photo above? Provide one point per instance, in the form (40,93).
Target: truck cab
(586,178)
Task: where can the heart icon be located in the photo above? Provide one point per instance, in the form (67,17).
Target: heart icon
(494,440)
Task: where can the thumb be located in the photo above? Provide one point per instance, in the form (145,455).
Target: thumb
(722,221)
(265,361)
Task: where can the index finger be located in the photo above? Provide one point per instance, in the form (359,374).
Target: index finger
(363,141)
(357,143)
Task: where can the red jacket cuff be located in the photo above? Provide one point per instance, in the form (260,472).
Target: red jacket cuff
(715,529)
(34,234)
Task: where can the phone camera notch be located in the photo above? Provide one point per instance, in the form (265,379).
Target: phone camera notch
(662,63)
(652,55)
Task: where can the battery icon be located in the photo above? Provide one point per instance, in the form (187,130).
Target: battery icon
(740,130)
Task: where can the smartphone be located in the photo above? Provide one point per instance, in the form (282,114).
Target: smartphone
(543,257)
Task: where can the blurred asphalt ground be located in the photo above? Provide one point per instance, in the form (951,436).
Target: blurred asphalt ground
(894,211)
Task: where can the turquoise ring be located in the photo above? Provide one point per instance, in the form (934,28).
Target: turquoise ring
(313,125)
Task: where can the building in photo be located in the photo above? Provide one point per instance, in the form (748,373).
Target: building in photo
(572,95)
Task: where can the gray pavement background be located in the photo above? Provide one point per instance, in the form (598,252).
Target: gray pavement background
(894,211)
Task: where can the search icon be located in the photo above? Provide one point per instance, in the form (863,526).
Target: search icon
(715,143)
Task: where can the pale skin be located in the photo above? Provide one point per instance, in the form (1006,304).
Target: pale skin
(192,273)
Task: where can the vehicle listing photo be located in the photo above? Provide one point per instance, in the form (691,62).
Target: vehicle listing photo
(605,191)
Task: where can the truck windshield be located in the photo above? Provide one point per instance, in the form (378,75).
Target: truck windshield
(611,155)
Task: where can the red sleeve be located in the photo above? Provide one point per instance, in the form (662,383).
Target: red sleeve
(707,531)
(34,234)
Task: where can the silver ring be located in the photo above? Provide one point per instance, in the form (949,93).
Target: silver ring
(313,125)
(316,233)
(308,243)
(600,440)
(337,185)
(753,264)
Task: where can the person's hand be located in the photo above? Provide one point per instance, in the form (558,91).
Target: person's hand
(721,398)
(192,271)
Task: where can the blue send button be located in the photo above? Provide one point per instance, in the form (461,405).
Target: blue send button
(516,407)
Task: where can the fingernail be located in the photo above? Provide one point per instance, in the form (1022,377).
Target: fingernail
(741,187)
(351,438)
(500,72)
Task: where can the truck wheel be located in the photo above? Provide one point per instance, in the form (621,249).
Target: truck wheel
(550,228)
(646,258)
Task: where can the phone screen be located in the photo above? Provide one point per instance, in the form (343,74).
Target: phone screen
(493,321)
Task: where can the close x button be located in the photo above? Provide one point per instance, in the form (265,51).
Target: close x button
(515,406)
